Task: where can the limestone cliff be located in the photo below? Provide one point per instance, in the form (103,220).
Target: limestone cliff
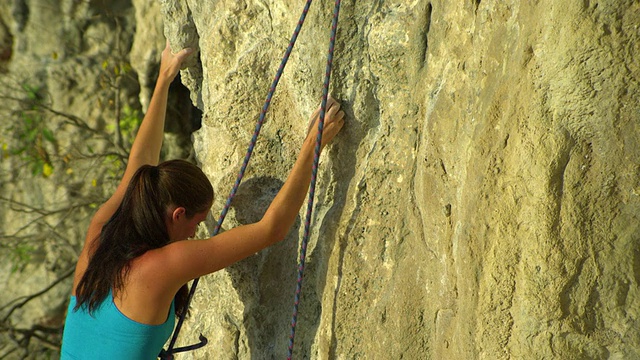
(481,203)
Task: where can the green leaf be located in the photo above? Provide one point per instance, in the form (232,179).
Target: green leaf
(32,135)
(32,92)
(37,167)
(48,135)
(17,151)
(21,256)
(27,119)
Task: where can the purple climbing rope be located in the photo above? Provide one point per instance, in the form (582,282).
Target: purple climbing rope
(168,354)
(312,189)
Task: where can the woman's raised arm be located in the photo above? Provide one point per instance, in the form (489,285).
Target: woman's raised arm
(148,142)
(184,260)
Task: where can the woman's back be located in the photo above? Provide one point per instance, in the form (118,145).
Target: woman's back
(106,333)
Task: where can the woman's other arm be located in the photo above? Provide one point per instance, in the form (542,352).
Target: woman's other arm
(185,260)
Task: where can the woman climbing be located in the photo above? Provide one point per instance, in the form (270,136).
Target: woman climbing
(130,277)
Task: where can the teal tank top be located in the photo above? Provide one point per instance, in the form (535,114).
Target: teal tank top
(107,333)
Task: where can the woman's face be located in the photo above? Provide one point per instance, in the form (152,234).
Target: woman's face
(192,224)
(182,227)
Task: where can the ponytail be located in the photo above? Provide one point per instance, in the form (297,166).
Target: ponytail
(138,225)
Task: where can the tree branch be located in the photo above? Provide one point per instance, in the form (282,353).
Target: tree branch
(23,300)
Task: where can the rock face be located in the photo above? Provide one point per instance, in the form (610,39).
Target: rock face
(481,202)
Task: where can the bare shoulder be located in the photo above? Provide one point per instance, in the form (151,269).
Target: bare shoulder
(150,273)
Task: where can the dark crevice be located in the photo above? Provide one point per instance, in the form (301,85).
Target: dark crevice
(20,13)
(6,45)
(183,118)
(424,35)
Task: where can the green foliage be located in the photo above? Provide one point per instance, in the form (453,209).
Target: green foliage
(20,256)
(114,167)
(130,121)
(31,134)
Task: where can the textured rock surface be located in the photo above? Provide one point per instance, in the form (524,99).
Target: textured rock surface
(481,203)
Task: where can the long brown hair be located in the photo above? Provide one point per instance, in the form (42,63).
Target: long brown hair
(138,225)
